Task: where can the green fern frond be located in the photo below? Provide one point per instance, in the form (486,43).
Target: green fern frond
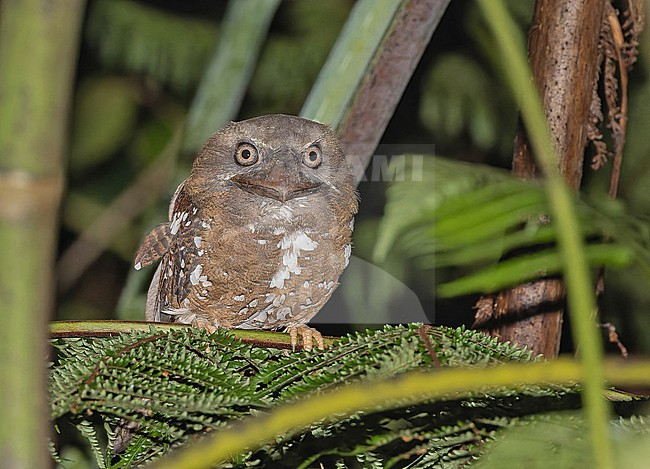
(544,438)
(153,391)
(88,431)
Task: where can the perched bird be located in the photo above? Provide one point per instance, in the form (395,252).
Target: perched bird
(258,233)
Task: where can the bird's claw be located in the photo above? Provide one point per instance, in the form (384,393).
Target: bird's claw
(308,334)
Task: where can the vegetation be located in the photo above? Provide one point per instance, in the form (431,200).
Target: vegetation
(155,79)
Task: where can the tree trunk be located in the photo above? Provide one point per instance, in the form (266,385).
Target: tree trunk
(563,52)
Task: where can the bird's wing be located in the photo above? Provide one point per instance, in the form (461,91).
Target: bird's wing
(181,268)
(154,246)
(156,243)
(178,244)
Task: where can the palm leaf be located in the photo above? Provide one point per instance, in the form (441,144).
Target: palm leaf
(470,216)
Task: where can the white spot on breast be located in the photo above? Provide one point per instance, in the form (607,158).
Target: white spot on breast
(262,241)
(291,245)
(196,277)
(138,266)
(260,316)
(197,241)
(242,311)
(269,297)
(305,284)
(253,303)
(238,298)
(182,315)
(352,224)
(196,274)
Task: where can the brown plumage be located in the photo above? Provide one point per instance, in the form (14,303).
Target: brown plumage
(258,233)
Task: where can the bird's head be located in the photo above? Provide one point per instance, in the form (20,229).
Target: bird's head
(275,159)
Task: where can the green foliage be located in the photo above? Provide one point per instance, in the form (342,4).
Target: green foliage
(154,393)
(349,59)
(170,49)
(459,99)
(290,62)
(464,99)
(545,438)
(97,135)
(147,392)
(470,216)
(224,83)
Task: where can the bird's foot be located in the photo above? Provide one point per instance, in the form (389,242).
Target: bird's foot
(308,335)
(203,323)
(187,316)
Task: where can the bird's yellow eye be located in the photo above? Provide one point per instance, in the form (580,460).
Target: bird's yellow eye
(246,154)
(312,157)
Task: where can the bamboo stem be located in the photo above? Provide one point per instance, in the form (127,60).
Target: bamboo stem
(38,50)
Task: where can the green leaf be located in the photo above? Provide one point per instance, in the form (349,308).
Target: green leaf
(532,266)
(487,219)
(491,249)
(175,385)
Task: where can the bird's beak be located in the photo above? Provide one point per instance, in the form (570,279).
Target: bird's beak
(277,180)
